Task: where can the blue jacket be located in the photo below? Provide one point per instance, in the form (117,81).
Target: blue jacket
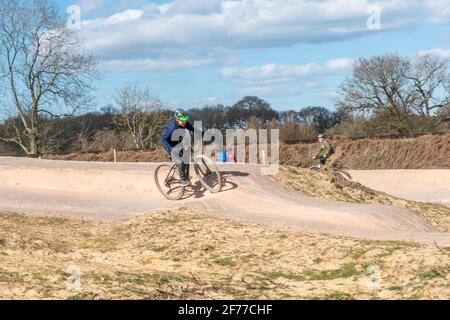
(166,138)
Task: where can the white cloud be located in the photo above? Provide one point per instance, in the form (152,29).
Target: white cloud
(161,64)
(120,18)
(190,7)
(437,52)
(278,79)
(285,73)
(196,28)
(281,80)
(440,10)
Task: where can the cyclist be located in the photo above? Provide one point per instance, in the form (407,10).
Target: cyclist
(324,151)
(181,121)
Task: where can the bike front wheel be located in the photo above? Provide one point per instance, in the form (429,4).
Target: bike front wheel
(167,182)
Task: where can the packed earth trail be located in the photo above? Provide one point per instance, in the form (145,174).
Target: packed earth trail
(120,191)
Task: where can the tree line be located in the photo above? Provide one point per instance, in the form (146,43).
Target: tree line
(137,118)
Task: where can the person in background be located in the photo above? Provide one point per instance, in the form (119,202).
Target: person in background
(324,151)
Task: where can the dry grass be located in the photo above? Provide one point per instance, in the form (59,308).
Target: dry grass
(158,155)
(425,152)
(335,185)
(176,253)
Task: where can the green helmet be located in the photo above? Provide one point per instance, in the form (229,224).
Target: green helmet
(181,115)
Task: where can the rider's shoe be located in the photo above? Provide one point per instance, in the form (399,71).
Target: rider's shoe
(185,183)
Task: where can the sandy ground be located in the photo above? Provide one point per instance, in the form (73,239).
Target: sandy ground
(121,191)
(418,185)
(180,254)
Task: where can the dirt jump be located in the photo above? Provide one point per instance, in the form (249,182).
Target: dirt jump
(120,191)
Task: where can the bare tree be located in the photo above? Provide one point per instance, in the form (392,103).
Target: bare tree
(319,118)
(396,87)
(141,114)
(443,114)
(43,70)
(429,75)
(378,85)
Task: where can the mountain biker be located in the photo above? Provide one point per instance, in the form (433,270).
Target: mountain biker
(324,151)
(181,121)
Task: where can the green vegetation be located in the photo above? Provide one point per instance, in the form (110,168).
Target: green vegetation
(225,262)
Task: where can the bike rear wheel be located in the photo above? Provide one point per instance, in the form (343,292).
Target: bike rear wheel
(208,174)
(167,182)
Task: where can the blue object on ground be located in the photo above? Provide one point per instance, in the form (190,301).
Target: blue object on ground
(223,156)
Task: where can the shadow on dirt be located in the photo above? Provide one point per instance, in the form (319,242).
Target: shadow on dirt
(197,191)
(234,174)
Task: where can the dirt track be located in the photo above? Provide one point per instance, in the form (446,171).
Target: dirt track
(418,185)
(121,191)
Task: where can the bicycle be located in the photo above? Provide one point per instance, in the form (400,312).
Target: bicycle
(320,165)
(170,186)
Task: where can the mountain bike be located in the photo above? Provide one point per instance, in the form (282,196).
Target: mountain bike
(169,184)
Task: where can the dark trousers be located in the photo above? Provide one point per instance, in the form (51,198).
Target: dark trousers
(183,169)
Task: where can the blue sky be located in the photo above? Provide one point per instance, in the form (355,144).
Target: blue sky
(292,53)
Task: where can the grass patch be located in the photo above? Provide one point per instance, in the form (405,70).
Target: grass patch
(225,262)
(436,272)
(11,277)
(395,288)
(248,257)
(82,296)
(150,279)
(272,252)
(285,296)
(337,295)
(346,271)
(278,274)
(99,277)
(357,254)
(160,248)
(398,245)
(210,248)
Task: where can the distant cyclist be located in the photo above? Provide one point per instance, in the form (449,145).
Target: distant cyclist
(324,151)
(181,121)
